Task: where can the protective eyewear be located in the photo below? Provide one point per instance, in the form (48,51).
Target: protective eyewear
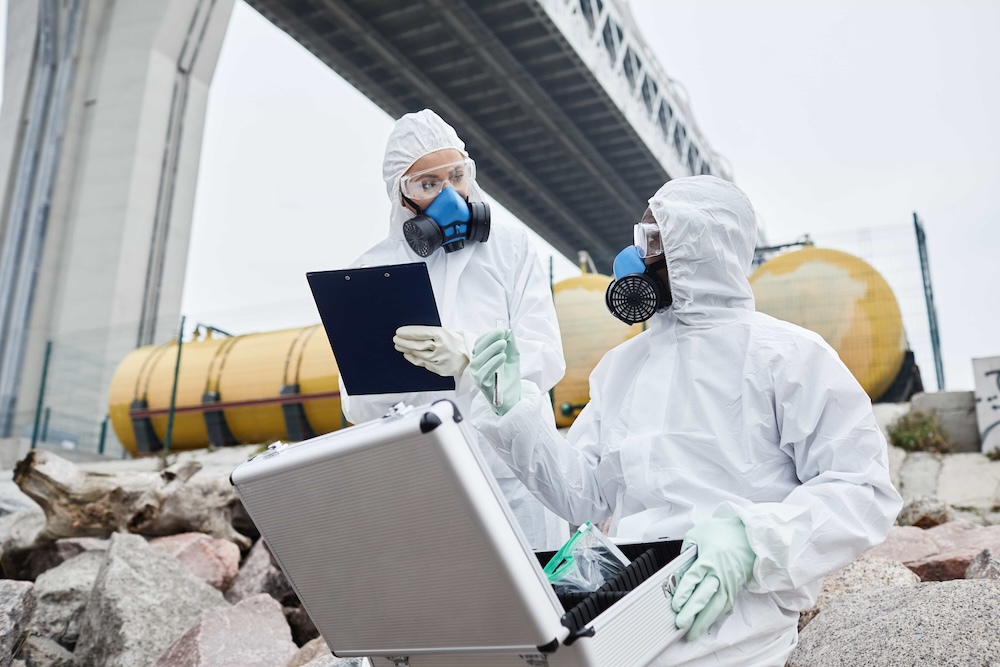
(646,237)
(429,183)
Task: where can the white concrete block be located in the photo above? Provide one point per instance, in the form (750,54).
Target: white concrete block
(969,481)
(956,413)
(987,374)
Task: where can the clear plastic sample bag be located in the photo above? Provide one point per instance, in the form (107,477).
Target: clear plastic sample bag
(585,562)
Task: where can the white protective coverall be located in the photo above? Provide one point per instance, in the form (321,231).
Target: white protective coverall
(474,287)
(718,411)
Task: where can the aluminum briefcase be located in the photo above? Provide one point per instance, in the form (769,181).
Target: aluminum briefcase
(398,542)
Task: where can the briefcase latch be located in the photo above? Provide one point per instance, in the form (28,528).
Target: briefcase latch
(273,449)
(400,660)
(398,410)
(535,660)
(670,586)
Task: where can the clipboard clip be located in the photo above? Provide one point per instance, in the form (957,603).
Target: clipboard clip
(398,410)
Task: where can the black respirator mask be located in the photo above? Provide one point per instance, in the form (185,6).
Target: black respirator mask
(636,293)
(448,222)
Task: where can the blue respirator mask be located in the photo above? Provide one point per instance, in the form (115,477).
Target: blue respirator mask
(449,220)
(637,293)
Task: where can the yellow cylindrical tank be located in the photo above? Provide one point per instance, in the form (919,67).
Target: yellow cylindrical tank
(832,293)
(588,332)
(843,299)
(244,374)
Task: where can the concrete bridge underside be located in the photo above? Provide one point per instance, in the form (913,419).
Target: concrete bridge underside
(551,143)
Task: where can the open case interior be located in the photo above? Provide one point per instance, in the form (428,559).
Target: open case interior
(582,608)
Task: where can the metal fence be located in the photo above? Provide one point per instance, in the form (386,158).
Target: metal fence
(69,410)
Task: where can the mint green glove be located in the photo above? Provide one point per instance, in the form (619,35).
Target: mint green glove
(723,566)
(496,369)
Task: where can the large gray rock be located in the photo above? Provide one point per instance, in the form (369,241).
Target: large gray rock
(17,604)
(253,632)
(948,623)
(923,512)
(143,600)
(865,575)
(984,566)
(44,652)
(62,594)
(260,574)
(213,560)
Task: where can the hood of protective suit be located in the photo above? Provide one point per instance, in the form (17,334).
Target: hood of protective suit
(414,136)
(709,232)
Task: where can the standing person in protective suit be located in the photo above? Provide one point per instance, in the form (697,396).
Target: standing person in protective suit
(719,425)
(481,274)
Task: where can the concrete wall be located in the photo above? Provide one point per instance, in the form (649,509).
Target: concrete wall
(128,144)
(22,26)
(956,412)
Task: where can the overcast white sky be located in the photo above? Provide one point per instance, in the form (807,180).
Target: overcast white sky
(834,116)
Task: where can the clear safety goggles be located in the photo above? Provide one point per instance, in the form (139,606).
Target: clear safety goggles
(646,237)
(429,183)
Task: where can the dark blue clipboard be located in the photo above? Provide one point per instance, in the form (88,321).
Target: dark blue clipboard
(361,310)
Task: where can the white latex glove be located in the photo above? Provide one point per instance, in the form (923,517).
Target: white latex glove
(434,348)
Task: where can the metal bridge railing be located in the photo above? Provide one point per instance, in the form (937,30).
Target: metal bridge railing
(604,35)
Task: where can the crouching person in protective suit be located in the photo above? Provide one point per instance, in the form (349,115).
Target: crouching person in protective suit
(719,425)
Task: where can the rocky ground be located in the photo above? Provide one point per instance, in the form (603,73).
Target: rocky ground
(185,600)
(930,595)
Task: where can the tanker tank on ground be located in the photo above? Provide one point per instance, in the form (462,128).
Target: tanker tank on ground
(280,385)
(283,385)
(846,301)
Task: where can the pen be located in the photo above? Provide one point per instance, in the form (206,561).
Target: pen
(501,324)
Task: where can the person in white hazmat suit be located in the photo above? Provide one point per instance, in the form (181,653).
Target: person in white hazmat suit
(486,281)
(718,425)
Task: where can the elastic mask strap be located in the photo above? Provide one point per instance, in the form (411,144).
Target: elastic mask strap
(667,295)
(661,263)
(412,203)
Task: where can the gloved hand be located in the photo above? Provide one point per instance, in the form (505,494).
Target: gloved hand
(723,566)
(495,356)
(435,348)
